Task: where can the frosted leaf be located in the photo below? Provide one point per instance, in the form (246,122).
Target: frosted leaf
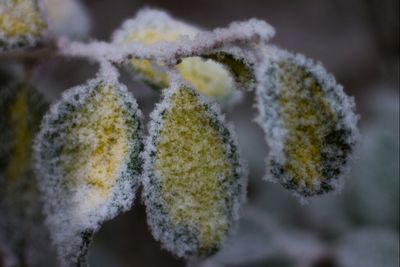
(309,123)
(21,109)
(210,79)
(240,64)
(149,27)
(88,163)
(21,24)
(67,18)
(155,27)
(369,247)
(193,182)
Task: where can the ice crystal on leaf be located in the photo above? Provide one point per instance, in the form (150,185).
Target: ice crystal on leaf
(309,122)
(193,180)
(22,24)
(88,161)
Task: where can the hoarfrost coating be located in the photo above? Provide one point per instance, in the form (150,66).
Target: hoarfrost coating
(191,226)
(309,122)
(87,160)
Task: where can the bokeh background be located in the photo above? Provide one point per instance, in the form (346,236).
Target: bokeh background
(357,41)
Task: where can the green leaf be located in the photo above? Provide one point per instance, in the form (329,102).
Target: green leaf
(309,122)
(88,162)
(21,110)
(193,183)
(22,24)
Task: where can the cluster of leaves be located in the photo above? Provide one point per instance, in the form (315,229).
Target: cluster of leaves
(91,153)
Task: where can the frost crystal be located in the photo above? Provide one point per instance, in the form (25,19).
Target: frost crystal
(309,122)
(67,18)
(193,182)
(88,163)
(21,24)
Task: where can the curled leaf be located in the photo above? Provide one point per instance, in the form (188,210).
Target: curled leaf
(309,122)
(88,162)
(240,64)
(193,181)
(21,24)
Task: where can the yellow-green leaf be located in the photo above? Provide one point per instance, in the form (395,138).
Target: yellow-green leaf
(309,122)
(21,24)
(21,110)
(193,182)
(88,162)
(240,65)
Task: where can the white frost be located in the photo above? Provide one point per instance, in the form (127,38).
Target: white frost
(270,120)
(236,33)
(183,244)
(71,214)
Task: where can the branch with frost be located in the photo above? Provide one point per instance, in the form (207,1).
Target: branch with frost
(237,33)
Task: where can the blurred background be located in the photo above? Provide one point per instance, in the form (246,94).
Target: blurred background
(357,41)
